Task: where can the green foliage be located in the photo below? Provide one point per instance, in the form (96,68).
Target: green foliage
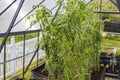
(7,42)
(111,40)
(19,38)
(71,40)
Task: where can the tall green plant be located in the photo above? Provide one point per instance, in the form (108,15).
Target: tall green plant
(71,39)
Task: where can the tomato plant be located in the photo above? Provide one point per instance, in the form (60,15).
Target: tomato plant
(71,39)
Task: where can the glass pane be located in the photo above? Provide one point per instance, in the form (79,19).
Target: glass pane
(4,4)
(6,18)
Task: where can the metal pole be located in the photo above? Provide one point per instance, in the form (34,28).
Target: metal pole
(107,12)
(11,24)
(57,12)
(103,74)
(54,7)
(119,69)
(5,62)
(24,56)
(38,50)
(100,8)
(31,59)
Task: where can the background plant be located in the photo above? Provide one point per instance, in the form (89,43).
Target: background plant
(107,5)
(71,39)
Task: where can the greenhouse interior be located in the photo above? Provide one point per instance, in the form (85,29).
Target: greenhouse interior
(59,40)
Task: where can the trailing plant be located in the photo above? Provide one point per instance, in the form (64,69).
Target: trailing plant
(71,39)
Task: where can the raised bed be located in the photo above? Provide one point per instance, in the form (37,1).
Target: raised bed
(39,73)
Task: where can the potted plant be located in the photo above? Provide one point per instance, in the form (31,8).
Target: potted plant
(71,39)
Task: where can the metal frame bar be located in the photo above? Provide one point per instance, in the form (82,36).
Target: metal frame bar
(89,2)
(24,55)
(103,74)
(11,24)
(4,62)
(107,12)
(7,7)
(21,32)
(100,8)
(54,7)
(119,69)
(111,75)
(57,12)
(38,51)
(31,59)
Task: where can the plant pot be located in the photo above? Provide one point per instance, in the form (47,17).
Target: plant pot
(117,3)
(112,27)
(39,73)
(20,79)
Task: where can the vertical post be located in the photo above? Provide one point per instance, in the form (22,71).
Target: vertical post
(23,56)
(38,50)
(103,74)
(12,56)
(1,60)
(100,8)
(5,61)
(119,68)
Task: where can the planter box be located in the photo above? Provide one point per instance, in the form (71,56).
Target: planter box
(112,27)
(39,73)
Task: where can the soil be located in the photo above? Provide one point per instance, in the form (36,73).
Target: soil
(41,70)
(96,74)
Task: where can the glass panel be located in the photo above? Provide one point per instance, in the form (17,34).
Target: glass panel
(6,18)
(27,7)
(4,4)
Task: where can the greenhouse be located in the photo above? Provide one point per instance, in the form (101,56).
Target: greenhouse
(59,40)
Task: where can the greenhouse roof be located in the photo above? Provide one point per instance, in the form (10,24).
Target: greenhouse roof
(20,24)
(9,7)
